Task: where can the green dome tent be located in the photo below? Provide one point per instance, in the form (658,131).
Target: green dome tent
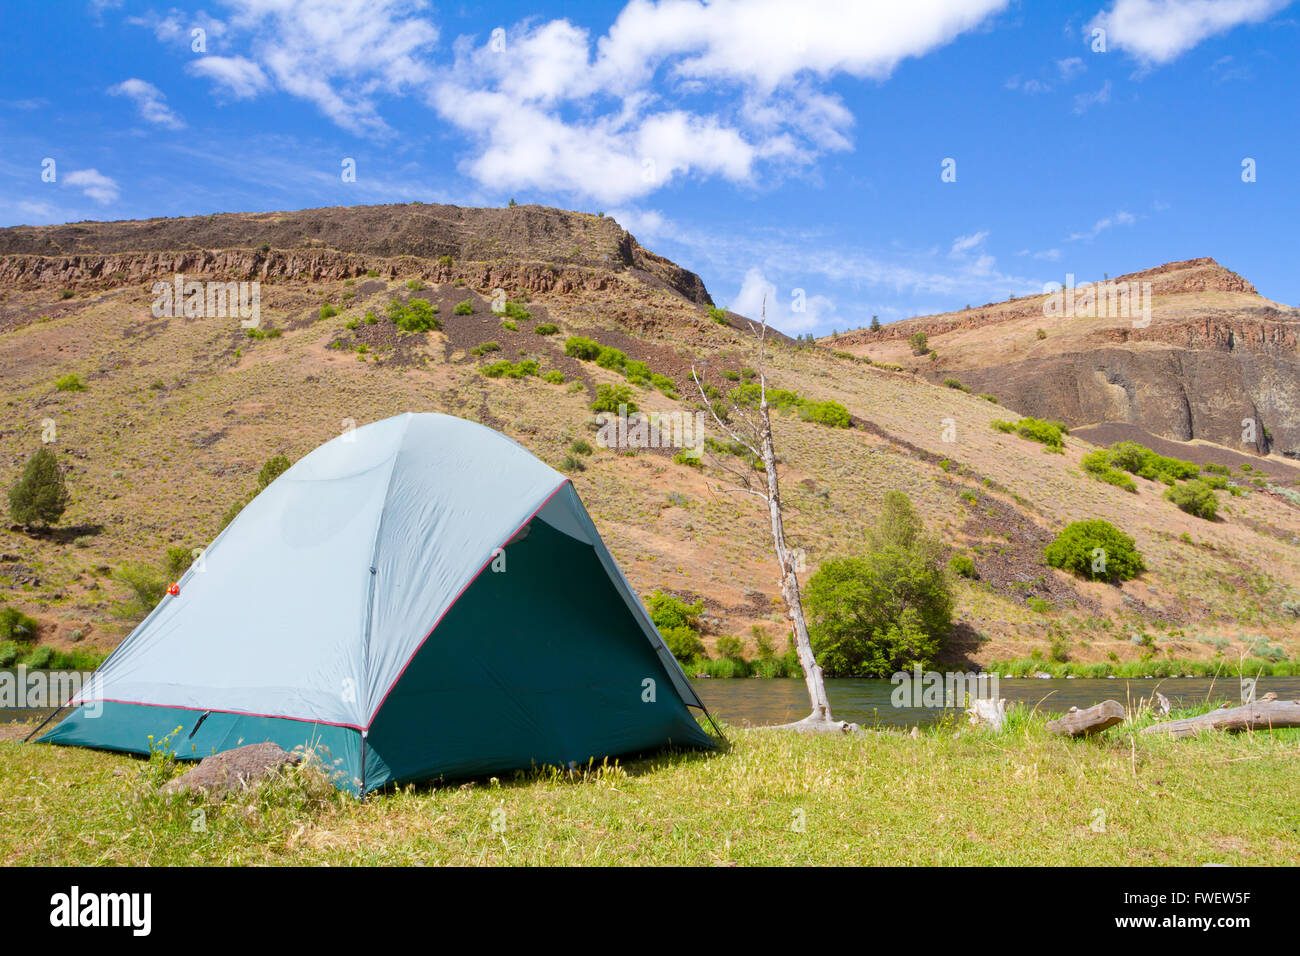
(420,597)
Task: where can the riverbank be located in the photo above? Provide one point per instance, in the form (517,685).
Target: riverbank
(1225,668)
(949,796)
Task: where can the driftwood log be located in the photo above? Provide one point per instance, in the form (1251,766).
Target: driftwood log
(985,710)
(1260,715)
(1085,723)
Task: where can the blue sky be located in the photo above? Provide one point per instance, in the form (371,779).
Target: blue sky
(769,145)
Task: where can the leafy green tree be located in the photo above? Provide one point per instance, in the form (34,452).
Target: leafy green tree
(888,609)
(147,587)
(678,623)
(17,626)
(610,397)
(898,524)
(830,413)
(40,496)
(879,613)
(581,347)
(1097,550)
(1196,497)
(273,469)
(919,342)
(178,562)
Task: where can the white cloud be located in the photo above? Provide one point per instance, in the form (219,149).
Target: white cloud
(177,26)
(555,111)
(38,210)
(1070,67)
(97,8)
(1120,218)
(613,117)
(236,76)
(790,310)
(645,224)
(149,101)
(337,54)
(1226,71)
(767,43)
(963,244)
(32,103)
(92,183)
(850,283)
(1085,101)
(1027,86)
(1159,31)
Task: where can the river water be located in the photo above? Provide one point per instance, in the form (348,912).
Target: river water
(754,702)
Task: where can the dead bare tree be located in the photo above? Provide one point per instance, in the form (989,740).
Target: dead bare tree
(757,439)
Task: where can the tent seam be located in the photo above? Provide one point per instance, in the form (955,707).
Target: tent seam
(373,571)
(459,594)
(218,710)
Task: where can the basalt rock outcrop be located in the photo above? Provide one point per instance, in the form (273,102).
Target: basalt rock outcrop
(1217,361)
(538,247)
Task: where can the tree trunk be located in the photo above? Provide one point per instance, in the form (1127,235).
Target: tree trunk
(821,707)
(986,710)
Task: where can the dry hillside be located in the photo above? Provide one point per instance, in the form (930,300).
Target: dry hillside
(1214,353)
(178,415)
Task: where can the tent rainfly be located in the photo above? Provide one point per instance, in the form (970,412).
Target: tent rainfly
(417,598)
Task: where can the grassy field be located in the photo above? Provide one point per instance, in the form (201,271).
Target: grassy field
(948,797)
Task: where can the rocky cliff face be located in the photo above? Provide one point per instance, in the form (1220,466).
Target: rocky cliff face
(539,247)
(1177,393)
(1215,358)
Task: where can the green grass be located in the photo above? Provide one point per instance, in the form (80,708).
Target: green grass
(1229,670)
(508,369)
(1049,434)
(773,798)
(44,657)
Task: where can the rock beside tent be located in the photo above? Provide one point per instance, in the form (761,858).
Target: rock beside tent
(233,770)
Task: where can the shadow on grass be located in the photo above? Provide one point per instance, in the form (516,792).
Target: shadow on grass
(640,764)
(65,535)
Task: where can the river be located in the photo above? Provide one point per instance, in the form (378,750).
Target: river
(867,702)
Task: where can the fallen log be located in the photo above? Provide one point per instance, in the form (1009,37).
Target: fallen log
(1085,723)
(1262,714)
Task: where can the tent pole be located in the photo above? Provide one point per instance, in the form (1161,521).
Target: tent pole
(363,766)
(28,738)
(714,723)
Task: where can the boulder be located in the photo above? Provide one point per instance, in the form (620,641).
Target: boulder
(233,770)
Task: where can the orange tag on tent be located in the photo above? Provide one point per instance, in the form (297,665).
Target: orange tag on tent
(174,590)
